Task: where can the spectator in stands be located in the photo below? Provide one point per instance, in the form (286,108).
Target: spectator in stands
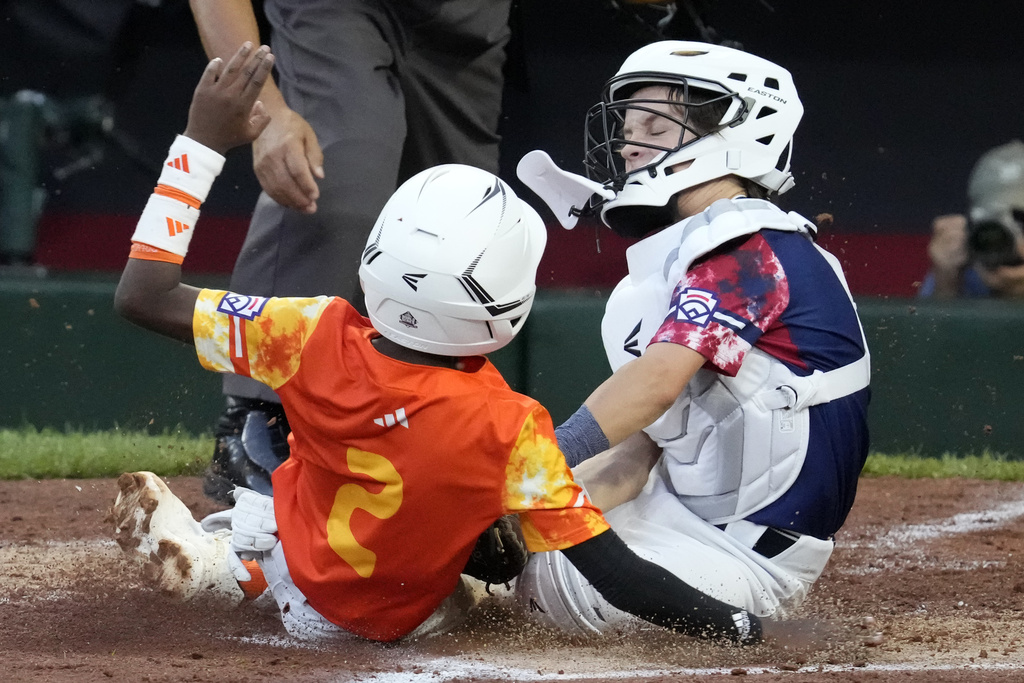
(982,254)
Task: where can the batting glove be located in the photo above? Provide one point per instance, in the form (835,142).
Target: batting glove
(253,525)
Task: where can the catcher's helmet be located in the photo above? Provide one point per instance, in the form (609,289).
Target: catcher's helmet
(751,138)
(451,264)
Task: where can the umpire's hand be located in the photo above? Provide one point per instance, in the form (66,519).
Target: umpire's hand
(287,159)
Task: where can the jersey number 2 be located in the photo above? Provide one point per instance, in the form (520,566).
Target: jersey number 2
(353,496)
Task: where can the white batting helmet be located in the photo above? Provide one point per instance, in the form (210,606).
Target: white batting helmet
(450,266)
(751,139)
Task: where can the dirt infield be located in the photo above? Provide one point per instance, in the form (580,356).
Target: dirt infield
(938,563)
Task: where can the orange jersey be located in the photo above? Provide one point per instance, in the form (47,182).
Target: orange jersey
(395,468)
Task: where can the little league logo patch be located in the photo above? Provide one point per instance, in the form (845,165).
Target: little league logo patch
(696,306)
(242,306)
(408,320)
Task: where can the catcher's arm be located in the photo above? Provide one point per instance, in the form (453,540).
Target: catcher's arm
(618,474)
(636,395)
(640,392)
(224,113)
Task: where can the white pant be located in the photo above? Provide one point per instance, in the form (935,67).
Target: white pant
(657,527)
(298,616)
(302,621)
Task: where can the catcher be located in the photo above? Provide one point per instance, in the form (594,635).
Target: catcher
(736,348)
(406,443)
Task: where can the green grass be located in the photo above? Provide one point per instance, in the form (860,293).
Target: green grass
(49,454)
(984,466)
(30,454)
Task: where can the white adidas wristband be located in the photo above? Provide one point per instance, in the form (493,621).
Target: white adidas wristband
(191,167)
(171,213)
(166,224)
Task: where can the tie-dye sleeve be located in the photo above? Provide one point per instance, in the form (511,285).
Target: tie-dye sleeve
(724,304)
(555,511)
(253,336)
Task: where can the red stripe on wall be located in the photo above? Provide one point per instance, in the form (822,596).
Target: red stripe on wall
(70,242)
(876,264)
(880,264)
(589,257)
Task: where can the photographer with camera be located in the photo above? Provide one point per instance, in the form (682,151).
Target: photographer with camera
(982,254)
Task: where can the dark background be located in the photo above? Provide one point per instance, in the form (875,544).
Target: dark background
(900,100)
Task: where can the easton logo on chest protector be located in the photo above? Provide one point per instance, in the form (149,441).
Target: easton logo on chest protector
(242,306)
(696,306)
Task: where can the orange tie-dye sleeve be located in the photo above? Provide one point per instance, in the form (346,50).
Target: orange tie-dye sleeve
(554,511)
(256,337)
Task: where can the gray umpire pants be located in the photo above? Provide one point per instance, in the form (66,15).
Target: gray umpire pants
(390,88)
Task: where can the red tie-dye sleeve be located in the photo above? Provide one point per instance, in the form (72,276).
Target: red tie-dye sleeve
(723,305)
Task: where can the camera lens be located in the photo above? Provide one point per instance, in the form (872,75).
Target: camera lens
(993,245)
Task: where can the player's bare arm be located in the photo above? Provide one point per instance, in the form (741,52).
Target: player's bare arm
(224,113)
(287,157)
(642,390)
(617,475)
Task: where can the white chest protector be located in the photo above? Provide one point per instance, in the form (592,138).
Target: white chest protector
(731,445)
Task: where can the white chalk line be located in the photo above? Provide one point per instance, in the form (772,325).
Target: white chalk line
(447,669)
(907,539)
(60,545)
(962,523)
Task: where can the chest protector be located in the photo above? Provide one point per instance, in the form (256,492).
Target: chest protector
(731,445)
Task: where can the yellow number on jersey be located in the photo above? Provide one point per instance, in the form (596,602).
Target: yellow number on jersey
(353,496)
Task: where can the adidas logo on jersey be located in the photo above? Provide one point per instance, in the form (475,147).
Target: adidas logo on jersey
(391,419)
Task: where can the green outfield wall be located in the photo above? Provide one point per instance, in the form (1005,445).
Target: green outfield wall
(947,377)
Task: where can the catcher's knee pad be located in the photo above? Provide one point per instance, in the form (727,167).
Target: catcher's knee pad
(553,593)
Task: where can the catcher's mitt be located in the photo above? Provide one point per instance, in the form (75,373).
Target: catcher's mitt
(500,553)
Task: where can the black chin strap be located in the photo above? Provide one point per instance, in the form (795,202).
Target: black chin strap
(635,222)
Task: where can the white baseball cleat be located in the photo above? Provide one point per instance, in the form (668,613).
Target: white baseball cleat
(180,558)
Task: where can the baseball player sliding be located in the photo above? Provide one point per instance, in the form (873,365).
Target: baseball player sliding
(406,443)
(736,349)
